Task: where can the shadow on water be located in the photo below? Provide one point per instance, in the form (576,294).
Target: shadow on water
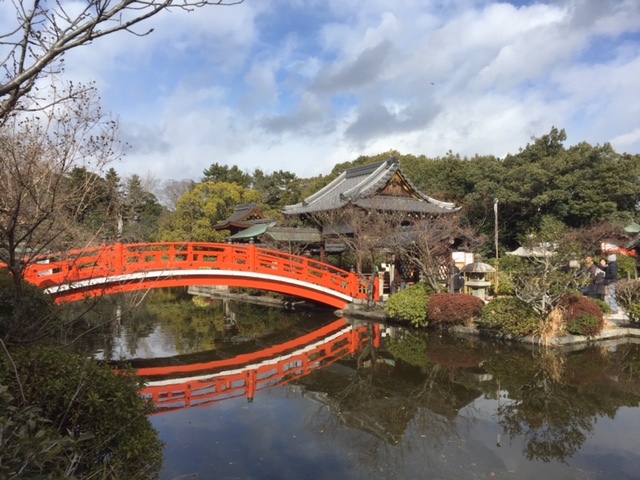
(286,395)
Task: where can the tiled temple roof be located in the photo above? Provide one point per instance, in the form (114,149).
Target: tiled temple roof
(361,186)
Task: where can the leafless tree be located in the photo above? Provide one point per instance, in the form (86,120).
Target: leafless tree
(549,270)
(170,191)
(427,245)
(48,129)
(423,244)
(367,233)
(41,32)
(39,204)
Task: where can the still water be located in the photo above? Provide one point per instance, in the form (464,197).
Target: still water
(251,392)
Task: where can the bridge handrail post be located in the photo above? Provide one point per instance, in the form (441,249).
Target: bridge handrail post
(118,257)
(251,257)
(378,285)
(377,337)
(250,384)
(354,284)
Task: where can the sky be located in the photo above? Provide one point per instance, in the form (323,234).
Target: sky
(301,85)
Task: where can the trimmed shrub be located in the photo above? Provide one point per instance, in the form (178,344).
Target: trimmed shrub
(410,305)
(581,315)
(634,312)
(453,309)
(628,296)
(510,315)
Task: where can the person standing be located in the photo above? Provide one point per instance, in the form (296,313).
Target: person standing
(596,288)
(610,280)
(457,281)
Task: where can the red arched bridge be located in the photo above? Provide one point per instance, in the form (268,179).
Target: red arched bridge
(126,267)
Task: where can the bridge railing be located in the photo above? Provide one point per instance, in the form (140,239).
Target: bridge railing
(123,259)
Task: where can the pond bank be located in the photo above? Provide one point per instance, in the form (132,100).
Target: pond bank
(616,327)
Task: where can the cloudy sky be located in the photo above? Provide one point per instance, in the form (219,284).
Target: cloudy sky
(301,85)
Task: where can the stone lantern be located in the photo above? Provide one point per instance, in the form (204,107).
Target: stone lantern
(475,278)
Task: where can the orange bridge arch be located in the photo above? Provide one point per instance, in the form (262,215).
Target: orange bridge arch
(126,267)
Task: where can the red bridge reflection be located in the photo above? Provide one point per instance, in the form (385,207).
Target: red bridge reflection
(201,384)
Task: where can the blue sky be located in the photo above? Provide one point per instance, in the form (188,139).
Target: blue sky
(301,85)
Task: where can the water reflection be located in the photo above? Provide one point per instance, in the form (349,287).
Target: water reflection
(282,395)
(170,324)
(422,388)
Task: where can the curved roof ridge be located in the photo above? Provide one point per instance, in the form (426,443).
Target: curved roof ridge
(373,179)
(323,192)
(439,203)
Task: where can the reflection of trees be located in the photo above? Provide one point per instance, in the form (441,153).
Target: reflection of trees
(388,394)
(98,321)
(193,327)
(255,321)
(549,400)
(554,399)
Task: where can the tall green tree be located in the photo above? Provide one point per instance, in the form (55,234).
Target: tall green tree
(575,186)
(224,173)
(140,212)
(199,209)
(277,189)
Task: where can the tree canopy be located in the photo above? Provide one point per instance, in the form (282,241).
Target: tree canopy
(198,210)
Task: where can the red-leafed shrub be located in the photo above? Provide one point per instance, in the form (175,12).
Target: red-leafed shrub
(581,315)
(453,309)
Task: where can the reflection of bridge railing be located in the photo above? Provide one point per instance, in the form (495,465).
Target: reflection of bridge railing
(118,268)
(246,374)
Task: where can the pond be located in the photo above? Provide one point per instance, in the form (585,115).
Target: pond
(251,392)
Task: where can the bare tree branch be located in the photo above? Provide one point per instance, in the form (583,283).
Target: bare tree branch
(44,31)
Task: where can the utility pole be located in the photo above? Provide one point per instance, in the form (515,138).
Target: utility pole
(495,211)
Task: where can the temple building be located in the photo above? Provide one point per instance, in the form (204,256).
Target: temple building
(376,187)
(341,210)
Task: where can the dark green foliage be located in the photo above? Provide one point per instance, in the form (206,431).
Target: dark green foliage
(97,200)
(277,189)
(90,407)
(581,315)
(453,309)
(543,179)
(141,212)
(410,305)
(587,325)
(626,267)
(511,316)
(628,296)
(36,311)
(602,305)
(29,444)
(224,173)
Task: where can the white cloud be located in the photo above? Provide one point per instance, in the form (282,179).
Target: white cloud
(302,84)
